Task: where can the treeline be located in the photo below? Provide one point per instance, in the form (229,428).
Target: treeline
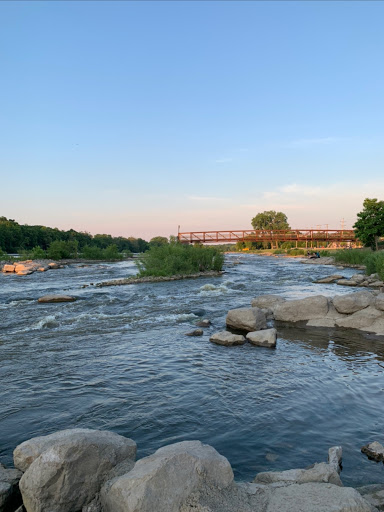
(17,238)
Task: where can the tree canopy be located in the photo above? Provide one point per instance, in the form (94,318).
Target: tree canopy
(369,226)
(270,220)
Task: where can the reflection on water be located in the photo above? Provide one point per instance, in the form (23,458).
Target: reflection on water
(119,359)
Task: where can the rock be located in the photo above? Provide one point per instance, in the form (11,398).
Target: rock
(361,319)
(353,302)
(10,497)
(319,261)
(8,268)
(358,278)
(64,471)
(374,451)
(329,279)
(264,338)
(25,272)
(163,481)
(227,338)
(346,282)
(379,302)
(321,472)
(302,309)
(316,497)
(246,319)
(335,457)
(56,298)
(196,332)
(376,284)
(374,494)
(267,301)
(54,265)
(198,312)
(203,323)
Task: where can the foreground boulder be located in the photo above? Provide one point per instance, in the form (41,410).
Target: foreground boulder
(316,497)
(353,302)
(56,298)
(264,338)
(302,309)
(246,319)
(64,471)
(163,481)
(227,339)
(374,494)
(10,496)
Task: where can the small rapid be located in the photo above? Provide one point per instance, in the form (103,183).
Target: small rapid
(118,359)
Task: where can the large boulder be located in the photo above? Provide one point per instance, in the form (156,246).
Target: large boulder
(8,268)
(64,471)
(56,298)
(264,338)
(227,339)
(316,497)
(267,301)
(302,309)
(374,494)
(246,319)
(379,302)
(163,481)
(361,320)
(374,451)
(353,302)
(10,496)
(321,472)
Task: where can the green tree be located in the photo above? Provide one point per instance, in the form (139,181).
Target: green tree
(369,226)
(158,241)
(270,221)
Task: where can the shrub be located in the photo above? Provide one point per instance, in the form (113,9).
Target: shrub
(112,253)
(91,252)
(176,259)
(60,249)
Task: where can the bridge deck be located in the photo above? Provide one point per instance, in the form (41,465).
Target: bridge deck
(291,235)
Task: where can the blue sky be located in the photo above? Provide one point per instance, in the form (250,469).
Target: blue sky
(135,117)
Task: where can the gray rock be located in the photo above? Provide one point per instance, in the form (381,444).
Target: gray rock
(346,282)
(358,278)
(353,302)
(379,302)
(203,323)
(166,479)
(374,494)
(246,319)
(376,284)
(302,309)
(316,497)
(329,279)
(64,471)
(227,338)
(56,298)
(264,338)
(361,320)
(335,457)
(10,496)
(374,451)
(321,472)
(196,332)
(266,301)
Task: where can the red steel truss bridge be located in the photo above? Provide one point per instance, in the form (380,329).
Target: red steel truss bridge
(260,235)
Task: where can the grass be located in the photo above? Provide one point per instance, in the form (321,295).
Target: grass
(373,260)
(179,259)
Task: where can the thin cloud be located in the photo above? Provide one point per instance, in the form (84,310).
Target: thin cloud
(320,141)
(223,160)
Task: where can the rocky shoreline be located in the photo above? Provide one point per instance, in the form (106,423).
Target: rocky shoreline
(83,470)
(159,279)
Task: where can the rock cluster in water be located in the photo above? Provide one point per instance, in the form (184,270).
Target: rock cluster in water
(24,268)
(371,281)
(82,470)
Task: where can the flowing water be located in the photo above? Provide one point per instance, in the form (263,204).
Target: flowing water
(118,359)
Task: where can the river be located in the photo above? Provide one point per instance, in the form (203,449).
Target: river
(118,359)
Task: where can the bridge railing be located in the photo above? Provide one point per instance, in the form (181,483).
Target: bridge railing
(291,235)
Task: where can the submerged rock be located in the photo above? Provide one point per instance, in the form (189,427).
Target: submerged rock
(56,298)
(196,332)
(246,319)
(374,451)
(227,338)
(203,323)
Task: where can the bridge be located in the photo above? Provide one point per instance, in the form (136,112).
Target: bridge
(329,236)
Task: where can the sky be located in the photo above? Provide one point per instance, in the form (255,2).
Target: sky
(134,118)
